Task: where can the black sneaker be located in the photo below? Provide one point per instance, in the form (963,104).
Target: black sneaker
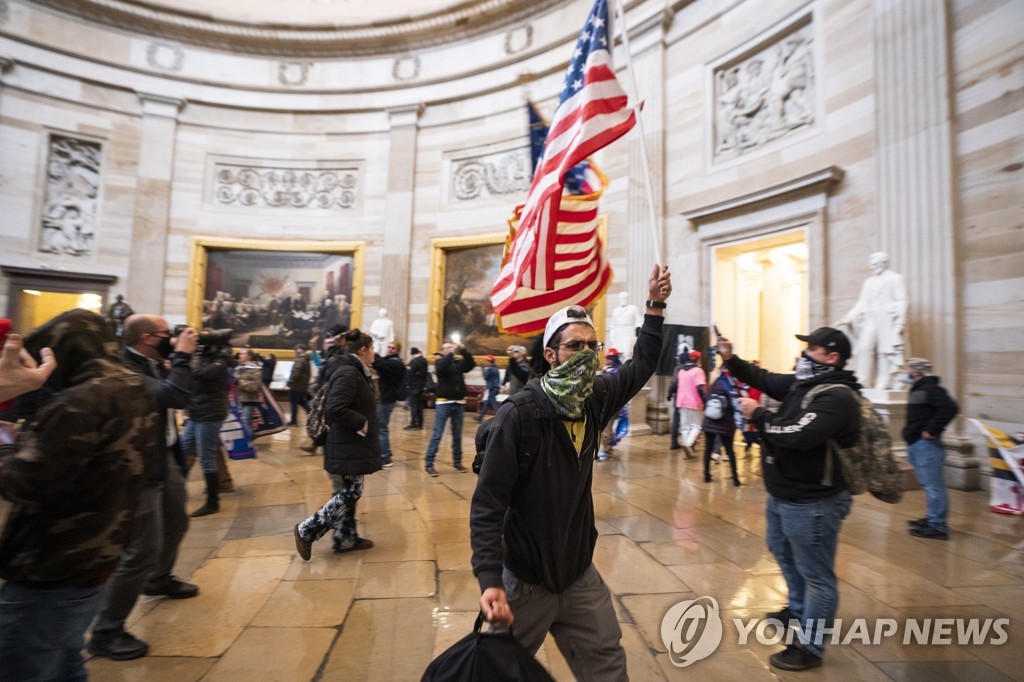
(930,533)
(431,471)
(122,647)
(783,615)
(459,467)
(918,523)
(796,658)
(173,588)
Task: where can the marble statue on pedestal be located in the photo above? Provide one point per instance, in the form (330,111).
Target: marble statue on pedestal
(117,314)
(383,332)
(622,325)
(877,323)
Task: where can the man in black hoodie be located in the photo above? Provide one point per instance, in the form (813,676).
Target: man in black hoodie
(532,518)
(450,403)
(807,494)
(391,374)
(929,411)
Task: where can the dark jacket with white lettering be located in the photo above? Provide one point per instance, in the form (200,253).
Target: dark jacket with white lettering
(541,524)
(794,449)
(929,408)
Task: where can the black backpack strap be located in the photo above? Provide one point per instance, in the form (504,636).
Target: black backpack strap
(530,433)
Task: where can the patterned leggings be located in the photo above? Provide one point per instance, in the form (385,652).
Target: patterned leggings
(338,513)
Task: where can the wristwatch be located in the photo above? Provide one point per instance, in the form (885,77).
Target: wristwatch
(656,304)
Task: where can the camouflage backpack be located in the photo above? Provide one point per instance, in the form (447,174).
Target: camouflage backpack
(316,420)
(868,464)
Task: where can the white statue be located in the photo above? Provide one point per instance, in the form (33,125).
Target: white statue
(877,323)
(625,319)
(383,332)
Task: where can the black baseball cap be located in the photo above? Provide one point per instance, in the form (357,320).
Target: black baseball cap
(829,338)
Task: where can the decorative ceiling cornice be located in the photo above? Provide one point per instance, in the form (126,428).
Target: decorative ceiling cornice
(466,20)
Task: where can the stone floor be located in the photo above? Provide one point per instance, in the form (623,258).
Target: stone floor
(264,614)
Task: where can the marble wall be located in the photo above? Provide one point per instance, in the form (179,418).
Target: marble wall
(436,151)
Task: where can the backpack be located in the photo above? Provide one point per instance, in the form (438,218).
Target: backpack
(529,416)
(486,657)
(316,420)
(868,464)
(714,408)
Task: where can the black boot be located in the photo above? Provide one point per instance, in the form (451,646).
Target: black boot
(212,505)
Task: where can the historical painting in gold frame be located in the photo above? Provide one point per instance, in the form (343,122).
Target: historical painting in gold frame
(463,269)
(274,294)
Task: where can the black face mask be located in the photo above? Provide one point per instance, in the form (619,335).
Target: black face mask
(164,348)
(807,368)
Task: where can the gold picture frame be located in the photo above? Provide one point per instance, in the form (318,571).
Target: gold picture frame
(283,331)
(479,260)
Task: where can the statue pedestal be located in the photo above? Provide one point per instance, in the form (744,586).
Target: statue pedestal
(963,469)
(892,405)
(638,425)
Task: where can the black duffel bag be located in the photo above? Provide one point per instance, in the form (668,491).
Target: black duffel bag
(486,657)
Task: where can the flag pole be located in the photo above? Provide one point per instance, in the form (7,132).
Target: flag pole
(620,11)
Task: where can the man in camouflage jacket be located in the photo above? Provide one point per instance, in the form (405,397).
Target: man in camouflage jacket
(74,477)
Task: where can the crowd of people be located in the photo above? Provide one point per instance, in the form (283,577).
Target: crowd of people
(96,471)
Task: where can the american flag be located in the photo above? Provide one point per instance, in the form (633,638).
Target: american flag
(583,178)
(554,256)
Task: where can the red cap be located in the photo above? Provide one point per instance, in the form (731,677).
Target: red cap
(611,352)
(695,355)
(490,357)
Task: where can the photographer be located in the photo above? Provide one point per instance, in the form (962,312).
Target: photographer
(207,410)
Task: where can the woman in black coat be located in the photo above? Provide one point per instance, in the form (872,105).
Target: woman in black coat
(723,428)
(352,449)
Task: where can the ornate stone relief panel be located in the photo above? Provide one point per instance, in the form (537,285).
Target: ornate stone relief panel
(166,56)
(324,188)
(765,94)
(491,174)
(518,39)
(293,73)
(71,199)
(406,68)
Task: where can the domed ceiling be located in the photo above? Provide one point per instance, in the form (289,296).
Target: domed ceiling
(307,27)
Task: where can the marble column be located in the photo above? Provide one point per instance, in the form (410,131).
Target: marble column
(145,285)
(6,66)
(916,195)
(398,212)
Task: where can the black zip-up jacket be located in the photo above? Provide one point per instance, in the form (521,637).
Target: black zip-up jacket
(450,383)
(929,408)
(391,371)
(350,405)
(795,440)
(208,401)
(541,525)
(171,389)
(417,374)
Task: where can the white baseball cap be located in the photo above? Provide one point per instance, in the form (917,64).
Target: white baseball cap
(571,314)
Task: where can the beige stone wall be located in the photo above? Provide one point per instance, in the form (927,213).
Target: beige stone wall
(989,106)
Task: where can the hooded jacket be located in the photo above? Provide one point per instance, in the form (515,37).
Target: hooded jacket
(929,408)
(451,385)
(795,440)
(75,474)
(208,401)
(350,405)
(391,373)
(540,524)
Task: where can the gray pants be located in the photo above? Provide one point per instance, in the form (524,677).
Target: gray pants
(160,525)
(581,619)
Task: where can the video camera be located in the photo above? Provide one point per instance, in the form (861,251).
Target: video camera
(211,342)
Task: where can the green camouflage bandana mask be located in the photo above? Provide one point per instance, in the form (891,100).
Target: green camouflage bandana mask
(570,384)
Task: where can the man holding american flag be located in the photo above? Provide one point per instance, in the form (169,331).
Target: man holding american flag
(532,515)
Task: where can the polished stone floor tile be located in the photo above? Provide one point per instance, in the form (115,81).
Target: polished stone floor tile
(274,654)
(665,537)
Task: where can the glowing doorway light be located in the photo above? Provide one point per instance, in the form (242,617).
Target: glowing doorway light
(91,302)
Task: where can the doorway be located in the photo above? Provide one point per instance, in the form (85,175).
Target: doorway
(759,296)
(36,295)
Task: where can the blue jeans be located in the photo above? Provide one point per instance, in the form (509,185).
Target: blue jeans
(928,458)
(204,437)
(247,412)
(803,538)
(442,413)
(490,404)
(42,631)
(384,430)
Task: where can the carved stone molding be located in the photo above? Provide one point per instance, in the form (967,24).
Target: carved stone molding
(496,174)
(165,56)
(445,25)
(765,94)
(519,39)
(284,187)
(71,197)
(5,11)
(293,73)
(406,68)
